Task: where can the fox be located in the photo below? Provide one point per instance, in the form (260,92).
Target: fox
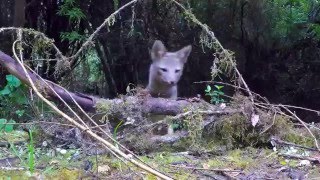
(166,70)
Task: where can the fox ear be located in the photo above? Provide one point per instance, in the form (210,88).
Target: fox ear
(184,53)
(158,50)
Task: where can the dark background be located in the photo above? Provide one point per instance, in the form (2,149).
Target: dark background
(285,69)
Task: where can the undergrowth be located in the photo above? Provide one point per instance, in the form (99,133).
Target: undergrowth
(13,101)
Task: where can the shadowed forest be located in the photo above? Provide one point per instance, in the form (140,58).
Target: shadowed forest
(77,102)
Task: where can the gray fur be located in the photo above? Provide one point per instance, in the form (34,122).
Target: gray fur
(166,70)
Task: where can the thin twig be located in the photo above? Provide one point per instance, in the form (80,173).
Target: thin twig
(89,40)
(88,131)
(21,59)
(211,34)
(12,168)
(279,141)
(219,112)
(43,122)
(304,124)
(207,169)
(315,160)
(81,109)
(295,107)
(36,33)
(273,120)
(84,45)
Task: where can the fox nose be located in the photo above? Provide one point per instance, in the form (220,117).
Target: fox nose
(171,82)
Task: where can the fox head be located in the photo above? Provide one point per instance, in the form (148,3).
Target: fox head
(167,67)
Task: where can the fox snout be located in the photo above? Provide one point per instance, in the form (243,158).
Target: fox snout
(169,82)
(172,83)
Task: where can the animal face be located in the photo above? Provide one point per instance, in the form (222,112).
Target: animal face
(167,67)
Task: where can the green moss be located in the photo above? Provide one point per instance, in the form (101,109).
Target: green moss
(301,139)
(116,111)
(13,175)
(66,174)
(167,158)
(138,143)
(234,131)
(237,159)
(15,136)
(183,175)
(289,162)
(282,125)
(159,161)
(162,162)
(216,163)
(284,128)
(103,105)
(59,174)
(193,124)
(182,145)
(163,159)
(151,177)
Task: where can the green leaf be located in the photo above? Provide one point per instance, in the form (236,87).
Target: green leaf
(208,88)
(9,127)
(19,98)
(175,126)
(215,93)
(283,162)
(2,123)
(75,14)
(5,91)
(20,112)
(71,36)
(218,87)
(13,81)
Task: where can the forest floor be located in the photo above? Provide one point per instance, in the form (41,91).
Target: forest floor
(51,161)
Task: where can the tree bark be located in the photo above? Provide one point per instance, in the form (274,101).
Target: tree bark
(19,13)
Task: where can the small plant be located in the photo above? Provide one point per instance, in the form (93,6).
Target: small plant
(6,126)
(115,131)
(215,95)
(27,157)
(13,98)
(31,150)
(71,9)
(12,89)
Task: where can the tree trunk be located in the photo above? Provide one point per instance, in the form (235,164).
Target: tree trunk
(19,13)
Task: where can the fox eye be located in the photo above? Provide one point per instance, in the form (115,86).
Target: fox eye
(164,69)
(177,70)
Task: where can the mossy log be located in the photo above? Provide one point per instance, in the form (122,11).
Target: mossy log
(143,103)
(90,103)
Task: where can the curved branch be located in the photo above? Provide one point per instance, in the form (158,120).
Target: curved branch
(91,103)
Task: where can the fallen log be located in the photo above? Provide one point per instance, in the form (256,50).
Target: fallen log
(13,67)
(146,104)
